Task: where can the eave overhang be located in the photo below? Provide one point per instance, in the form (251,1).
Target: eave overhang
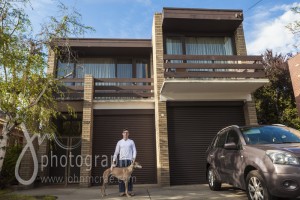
(90,47)
(214,89)
(201,20)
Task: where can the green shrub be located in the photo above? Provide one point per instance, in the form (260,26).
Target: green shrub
(7,176)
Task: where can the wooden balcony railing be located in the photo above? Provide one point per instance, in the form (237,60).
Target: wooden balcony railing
(73,88)
(108,88)
(123,88)
(213,66)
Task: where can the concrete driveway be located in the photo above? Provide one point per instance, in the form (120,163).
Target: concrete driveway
(141,191)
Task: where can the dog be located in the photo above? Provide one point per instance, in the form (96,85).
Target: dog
(123,174)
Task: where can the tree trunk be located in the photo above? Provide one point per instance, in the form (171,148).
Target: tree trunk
(3,144)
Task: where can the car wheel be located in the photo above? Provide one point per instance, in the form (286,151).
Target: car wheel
(256,187)
(213,183)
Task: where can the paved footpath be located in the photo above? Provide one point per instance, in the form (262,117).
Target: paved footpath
(142,192)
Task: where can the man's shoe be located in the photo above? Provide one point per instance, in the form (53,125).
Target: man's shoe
(122,194)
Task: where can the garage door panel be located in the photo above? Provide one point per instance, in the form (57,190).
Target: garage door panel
(108,128)
(191,128)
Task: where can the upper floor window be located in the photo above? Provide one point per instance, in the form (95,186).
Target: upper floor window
(199,46)
(105,68)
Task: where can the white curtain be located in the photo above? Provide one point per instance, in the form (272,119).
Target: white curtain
(141,70)
(228,46)
(98,67)
(124,71)
(208,46)
(174,47)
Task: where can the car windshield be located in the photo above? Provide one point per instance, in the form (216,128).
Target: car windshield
(270,135)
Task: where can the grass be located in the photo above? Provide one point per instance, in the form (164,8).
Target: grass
(8,195)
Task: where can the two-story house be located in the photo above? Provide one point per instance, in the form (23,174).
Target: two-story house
(173,92)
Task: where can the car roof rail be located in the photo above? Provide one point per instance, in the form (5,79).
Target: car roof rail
(278,125)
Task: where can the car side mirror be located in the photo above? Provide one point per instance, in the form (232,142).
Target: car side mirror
(231,146)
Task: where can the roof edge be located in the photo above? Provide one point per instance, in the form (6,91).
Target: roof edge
(203,9)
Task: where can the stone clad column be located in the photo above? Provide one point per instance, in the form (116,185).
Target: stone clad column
(51,62)
(163,168)
(250,113)
(87,131)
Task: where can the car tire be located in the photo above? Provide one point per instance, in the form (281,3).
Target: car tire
(256,187)
(213,183)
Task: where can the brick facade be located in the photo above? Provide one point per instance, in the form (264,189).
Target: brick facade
(240,45)
(51,62)
(87,129)
(163,168)
(250,113)
(294,68)
(27,166)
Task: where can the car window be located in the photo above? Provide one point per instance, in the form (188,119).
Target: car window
(270,135)
(233,137)
(221,140)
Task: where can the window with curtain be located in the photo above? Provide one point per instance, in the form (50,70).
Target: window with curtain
(124,69)
(200,46)
(63,69)
(141,70)
(174,47)
(98,67)
(208,46)
(105,68)
(109,68)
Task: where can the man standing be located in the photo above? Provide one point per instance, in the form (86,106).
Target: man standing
(127,153)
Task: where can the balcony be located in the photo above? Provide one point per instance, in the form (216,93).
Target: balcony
(211,77)
(123,88)
(109,88)
(73,89)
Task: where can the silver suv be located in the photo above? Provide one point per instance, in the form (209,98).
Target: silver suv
(263,160)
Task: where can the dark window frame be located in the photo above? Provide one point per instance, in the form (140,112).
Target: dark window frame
(184,36)
(116,62)
(67,118)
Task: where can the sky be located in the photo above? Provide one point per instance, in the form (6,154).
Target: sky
(264,20)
